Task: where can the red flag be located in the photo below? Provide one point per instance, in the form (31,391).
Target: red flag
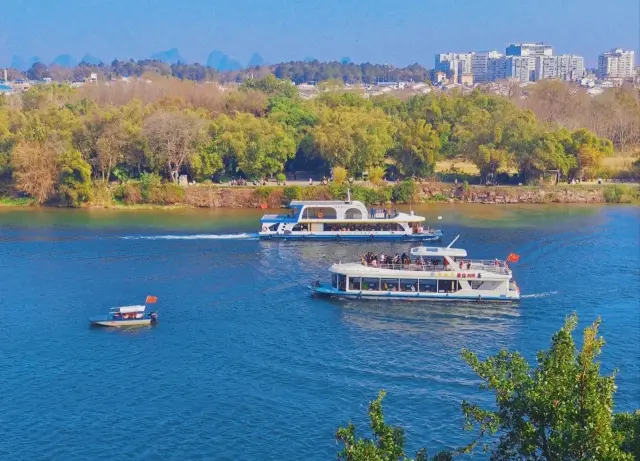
(263,206)
(513,258)
(151,300)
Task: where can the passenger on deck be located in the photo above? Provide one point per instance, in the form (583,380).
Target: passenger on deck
(468,265)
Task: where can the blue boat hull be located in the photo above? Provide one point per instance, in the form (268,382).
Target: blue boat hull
(364,238)
(330,292)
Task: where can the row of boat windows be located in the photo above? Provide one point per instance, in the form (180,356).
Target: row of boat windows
(330,213)
(353,227)
(389,284)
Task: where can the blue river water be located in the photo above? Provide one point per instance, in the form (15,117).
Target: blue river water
(244,364)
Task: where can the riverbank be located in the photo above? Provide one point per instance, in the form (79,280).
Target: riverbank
(215,196)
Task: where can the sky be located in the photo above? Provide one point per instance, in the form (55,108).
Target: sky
(392,32)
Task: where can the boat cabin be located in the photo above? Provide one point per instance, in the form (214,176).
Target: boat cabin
(127,312)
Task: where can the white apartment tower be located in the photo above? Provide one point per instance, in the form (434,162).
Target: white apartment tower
(565,67)
(616,63)
(455,65)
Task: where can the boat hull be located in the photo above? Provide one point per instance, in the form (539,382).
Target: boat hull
(120,323)
(330,292)
(354,237)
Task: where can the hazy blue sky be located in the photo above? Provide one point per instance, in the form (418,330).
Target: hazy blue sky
(396,32)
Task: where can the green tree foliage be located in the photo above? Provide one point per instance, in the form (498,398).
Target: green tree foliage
(339,175)
(272,86)
(386,444)
(352,137)
(375,175)
(256,146)
(416,148)
(560,410)
(74,183)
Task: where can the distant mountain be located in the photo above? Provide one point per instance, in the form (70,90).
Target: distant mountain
(346,60)
(256,60)
(90,59)
(65,60)
(171,56)
(222,62)
(18,63)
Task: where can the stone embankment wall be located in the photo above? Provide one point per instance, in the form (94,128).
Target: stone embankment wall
(513,194)
(248,197)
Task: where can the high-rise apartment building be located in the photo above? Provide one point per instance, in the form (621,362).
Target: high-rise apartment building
(565,67)
(455,65)
(529,49)
(616,63)
(480,65)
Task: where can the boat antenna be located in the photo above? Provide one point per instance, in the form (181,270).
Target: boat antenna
(453,241)
(348,195)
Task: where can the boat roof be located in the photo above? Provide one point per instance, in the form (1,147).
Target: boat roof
(438,251)
(128,309)
(324,202)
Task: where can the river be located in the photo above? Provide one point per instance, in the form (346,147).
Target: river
(244,364)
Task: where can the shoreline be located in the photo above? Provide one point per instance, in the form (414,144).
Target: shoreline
(274,197)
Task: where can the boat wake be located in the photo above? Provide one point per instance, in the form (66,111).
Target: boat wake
(241,236)
(540,295)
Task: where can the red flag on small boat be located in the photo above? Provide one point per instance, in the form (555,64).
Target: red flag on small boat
(263,206)
(513,258)
(151,300)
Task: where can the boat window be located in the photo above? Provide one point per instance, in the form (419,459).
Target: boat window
(274,227)
(319,213)
(370,284)
(448,286)
(390,285)
(408,285)
(475,284)
(334,280)
(300,227)
(342,282)
(428,286)
(355,283)
(353,213)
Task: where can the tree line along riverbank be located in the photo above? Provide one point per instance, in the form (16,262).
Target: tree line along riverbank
(159,194)
(64,146)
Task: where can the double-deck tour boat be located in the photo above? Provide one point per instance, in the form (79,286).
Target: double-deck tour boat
(127,316)
(345,220)
(424,274)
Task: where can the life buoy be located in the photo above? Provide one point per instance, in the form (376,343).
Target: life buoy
(265,228)
(320,215)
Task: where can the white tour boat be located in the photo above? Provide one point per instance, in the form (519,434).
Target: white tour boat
(426,274)
(345,220)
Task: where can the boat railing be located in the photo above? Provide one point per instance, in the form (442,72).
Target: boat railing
(474,265)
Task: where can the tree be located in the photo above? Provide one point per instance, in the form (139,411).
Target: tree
(387,443)
(559,410)
(272,86)
(339,175)
(74,182)
(35,168)
(416,148)
(489,160)
(352,137)
(255,146)
(375,175)
(173,138)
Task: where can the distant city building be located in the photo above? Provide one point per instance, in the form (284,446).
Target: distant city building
(520,68)
(565,67)
(455,65)
(466,79)
(616,63)
(480,65)
(529,49)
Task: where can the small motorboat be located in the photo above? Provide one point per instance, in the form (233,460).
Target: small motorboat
(127,316)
